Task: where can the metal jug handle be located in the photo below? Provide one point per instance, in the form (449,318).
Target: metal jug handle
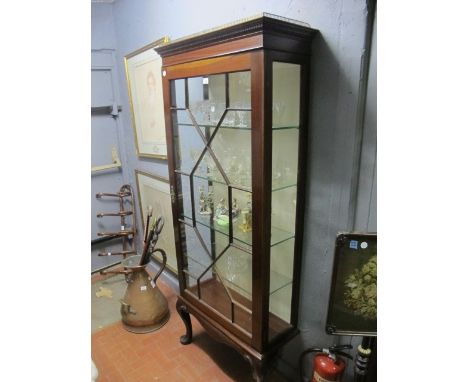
(163,264)
(116,271)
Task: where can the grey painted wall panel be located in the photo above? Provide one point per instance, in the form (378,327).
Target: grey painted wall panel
(366,208)
(102,27)
(366,211)
(334,86)
(102,92)
(372,222)
(106,132)
(102,58)
(104,136)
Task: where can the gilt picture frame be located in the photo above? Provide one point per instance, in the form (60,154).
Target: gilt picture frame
(154,191)
(144,84)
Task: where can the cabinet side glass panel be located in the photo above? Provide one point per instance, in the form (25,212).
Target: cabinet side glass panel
(285,156)
(211,126)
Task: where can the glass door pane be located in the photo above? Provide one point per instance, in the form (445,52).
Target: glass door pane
(211,122)
(285,137)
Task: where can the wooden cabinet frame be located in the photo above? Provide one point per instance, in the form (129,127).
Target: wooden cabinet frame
(253,45)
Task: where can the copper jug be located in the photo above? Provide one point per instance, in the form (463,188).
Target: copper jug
(144,308)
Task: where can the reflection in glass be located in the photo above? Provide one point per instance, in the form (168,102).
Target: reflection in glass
(239,90)
(207,98)
(285,137)
(232,148)
(284,163)
(178,93)
(212,141)
(208,170)
(286,94)
(188,144)
(235,269)
(281,279)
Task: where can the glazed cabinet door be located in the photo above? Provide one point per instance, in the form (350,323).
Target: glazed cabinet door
(211,169)
(284,177)
(289,79)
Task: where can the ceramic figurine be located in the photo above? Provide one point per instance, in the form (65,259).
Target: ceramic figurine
(210,197)
(204,202)
(221,209)
(222,213)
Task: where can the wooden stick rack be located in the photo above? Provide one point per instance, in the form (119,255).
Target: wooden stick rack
(127,233)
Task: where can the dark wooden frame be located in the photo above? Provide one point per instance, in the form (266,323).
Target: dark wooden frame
(252,45)
(341,238)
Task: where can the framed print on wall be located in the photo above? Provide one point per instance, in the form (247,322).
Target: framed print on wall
(143,70)
(155,191)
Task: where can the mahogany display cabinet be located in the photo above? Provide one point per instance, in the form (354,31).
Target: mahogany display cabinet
(236,102)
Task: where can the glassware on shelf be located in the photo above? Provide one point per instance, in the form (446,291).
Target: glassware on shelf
(212,173)
(235,210)
(194,155)
(240,89)
(229,120)
(246,225)
(214,113)
(233,169)
(198,110)
(236,267)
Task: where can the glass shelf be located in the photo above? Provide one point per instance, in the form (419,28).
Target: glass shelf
(238,235)
(217,181)
(221,127)
(238,127)
(244,285)
(241,282)
(277,235)
(276,185)
(195,267)
(284,127)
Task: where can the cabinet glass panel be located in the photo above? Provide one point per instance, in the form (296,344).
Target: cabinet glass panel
(211,122)
(285,137)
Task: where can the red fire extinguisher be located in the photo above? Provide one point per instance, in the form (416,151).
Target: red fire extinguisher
(327,367)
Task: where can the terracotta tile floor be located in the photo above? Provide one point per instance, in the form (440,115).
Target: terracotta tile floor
(121,356)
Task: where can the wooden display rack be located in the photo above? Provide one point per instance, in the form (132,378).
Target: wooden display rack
(126,233)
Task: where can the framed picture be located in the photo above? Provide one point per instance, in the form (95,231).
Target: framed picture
(155,191)
(352,308)
(143,70)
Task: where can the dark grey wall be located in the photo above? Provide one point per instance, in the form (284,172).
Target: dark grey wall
(334,87)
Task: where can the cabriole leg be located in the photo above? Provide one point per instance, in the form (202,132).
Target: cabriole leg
(258,368)
(184,314)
